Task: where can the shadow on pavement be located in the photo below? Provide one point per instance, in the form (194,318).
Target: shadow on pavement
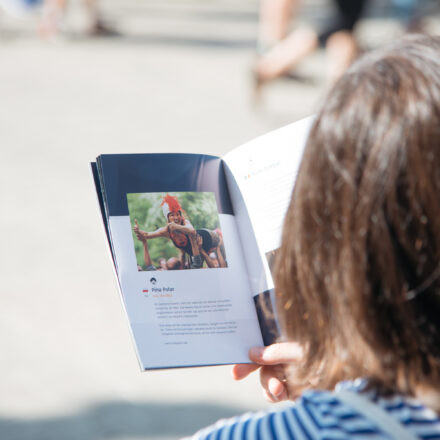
(117,420)
(175,41)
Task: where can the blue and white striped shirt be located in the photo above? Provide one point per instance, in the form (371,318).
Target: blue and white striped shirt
(320,415)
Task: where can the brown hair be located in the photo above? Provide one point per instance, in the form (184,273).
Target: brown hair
(358,274)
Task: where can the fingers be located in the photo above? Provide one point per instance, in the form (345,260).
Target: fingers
(240,371)
(281,353)
(273,380)
(277,389)
(274,399)
(271,361)
(138,234)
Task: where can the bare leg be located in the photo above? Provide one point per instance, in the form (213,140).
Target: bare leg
(220,256)
(196,260)
(98,27)
(147,258)
(341,51)
(209,262)
(274,21)
(92,9)
(53,11)
(287,54)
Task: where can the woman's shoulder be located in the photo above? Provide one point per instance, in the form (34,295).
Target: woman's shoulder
(421,421)
(297,420)
(321,414)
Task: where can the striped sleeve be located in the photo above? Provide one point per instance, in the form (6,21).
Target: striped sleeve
(320,415)
(309,418)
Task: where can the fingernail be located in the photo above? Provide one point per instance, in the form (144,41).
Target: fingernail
(275,387)
(256,352)
(277,394)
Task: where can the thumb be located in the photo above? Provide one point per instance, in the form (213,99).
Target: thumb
(280,353)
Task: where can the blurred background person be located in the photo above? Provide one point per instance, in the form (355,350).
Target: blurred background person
(280,53)
(53,15)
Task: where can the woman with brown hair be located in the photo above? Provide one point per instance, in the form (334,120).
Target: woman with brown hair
(358,273)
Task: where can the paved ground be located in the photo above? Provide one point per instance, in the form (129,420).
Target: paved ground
(177,80)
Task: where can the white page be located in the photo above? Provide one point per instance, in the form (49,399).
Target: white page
(188,317)
(185,317)
(260,180)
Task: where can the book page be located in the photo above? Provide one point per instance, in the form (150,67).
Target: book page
(260,179)
(183,310)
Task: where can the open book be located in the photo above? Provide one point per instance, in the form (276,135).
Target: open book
(193,239)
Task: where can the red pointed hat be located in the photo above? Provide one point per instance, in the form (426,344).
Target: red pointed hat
(170,204)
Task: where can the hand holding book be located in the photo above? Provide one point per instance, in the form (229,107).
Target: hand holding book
(272,362)
(209,228)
